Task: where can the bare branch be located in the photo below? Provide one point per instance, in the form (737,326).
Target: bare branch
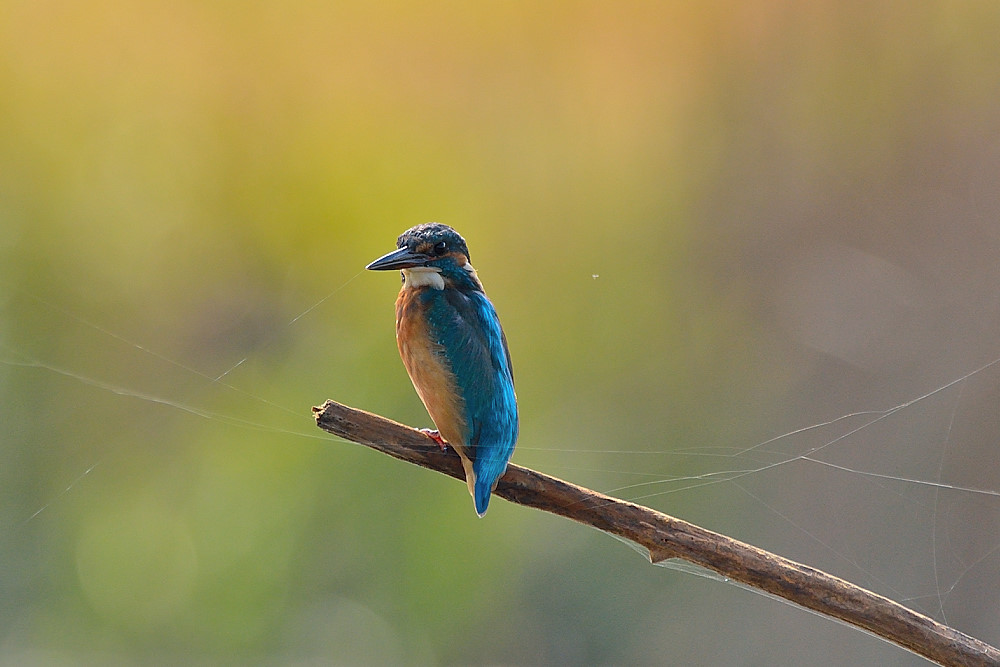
(666,537)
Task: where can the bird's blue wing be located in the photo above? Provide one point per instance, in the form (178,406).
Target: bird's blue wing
(466,325)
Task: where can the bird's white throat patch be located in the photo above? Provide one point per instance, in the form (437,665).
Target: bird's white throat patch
(422,276)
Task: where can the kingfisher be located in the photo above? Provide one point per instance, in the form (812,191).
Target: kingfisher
(455,352)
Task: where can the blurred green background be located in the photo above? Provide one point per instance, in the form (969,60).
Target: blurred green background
(703,225)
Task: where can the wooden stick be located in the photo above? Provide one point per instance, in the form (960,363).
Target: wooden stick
(666,537)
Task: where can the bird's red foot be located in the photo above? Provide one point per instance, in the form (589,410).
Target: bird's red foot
(436,437)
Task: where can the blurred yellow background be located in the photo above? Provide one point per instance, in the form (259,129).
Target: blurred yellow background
(703,225)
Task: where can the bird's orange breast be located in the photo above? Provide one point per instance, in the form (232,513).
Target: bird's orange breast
(429,370)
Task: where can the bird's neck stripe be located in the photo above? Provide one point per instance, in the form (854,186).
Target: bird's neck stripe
(422,276)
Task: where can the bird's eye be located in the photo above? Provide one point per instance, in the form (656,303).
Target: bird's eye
(440,248)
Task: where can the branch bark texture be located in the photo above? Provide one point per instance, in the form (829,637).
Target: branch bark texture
(667,537)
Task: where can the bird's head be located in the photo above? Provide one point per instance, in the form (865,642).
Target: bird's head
(432,255)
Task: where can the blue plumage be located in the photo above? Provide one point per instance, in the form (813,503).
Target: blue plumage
(455,352)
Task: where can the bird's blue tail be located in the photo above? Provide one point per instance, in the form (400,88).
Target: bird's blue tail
(489,467)
(481,496)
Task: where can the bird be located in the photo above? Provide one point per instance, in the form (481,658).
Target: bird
(455,352)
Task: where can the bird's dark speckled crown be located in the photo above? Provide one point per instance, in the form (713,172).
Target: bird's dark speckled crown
(431,233)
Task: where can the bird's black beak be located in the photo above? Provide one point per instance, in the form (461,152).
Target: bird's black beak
(404,258)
